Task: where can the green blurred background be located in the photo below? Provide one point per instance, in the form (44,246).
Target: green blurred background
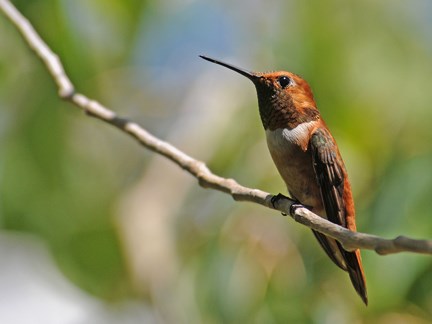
(128,228)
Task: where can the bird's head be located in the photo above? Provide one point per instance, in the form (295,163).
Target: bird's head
(285,99)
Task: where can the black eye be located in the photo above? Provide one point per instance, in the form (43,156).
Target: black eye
(284,81)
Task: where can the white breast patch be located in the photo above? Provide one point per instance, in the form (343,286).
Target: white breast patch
(283,136)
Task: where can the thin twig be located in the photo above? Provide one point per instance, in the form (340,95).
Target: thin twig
(350,240)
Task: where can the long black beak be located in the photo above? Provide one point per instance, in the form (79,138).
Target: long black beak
(250,75)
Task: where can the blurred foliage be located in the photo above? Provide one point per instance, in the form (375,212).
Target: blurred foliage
(124,224)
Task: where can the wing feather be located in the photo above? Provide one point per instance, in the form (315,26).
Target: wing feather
(330,174)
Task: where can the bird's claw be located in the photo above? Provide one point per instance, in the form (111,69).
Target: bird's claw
(275,199)
(294,207)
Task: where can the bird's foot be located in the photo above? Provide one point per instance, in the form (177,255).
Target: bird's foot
(275,199)
(295,206)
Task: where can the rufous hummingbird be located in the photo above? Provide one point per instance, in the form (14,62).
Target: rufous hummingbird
(307,158)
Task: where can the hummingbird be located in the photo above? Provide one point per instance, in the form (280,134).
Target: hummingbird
(307,158)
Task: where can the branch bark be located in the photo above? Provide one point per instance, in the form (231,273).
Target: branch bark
(350,240)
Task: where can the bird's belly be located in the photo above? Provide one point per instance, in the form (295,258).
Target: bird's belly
(296,169)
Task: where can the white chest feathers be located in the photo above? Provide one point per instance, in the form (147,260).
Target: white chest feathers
(282,138)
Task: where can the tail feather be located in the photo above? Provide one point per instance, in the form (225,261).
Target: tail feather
(356,273)
(348,261)
(331,249)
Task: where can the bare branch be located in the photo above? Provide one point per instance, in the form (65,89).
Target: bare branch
(350,240)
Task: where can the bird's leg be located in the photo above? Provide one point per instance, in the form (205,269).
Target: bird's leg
(294,206)
(276,198)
